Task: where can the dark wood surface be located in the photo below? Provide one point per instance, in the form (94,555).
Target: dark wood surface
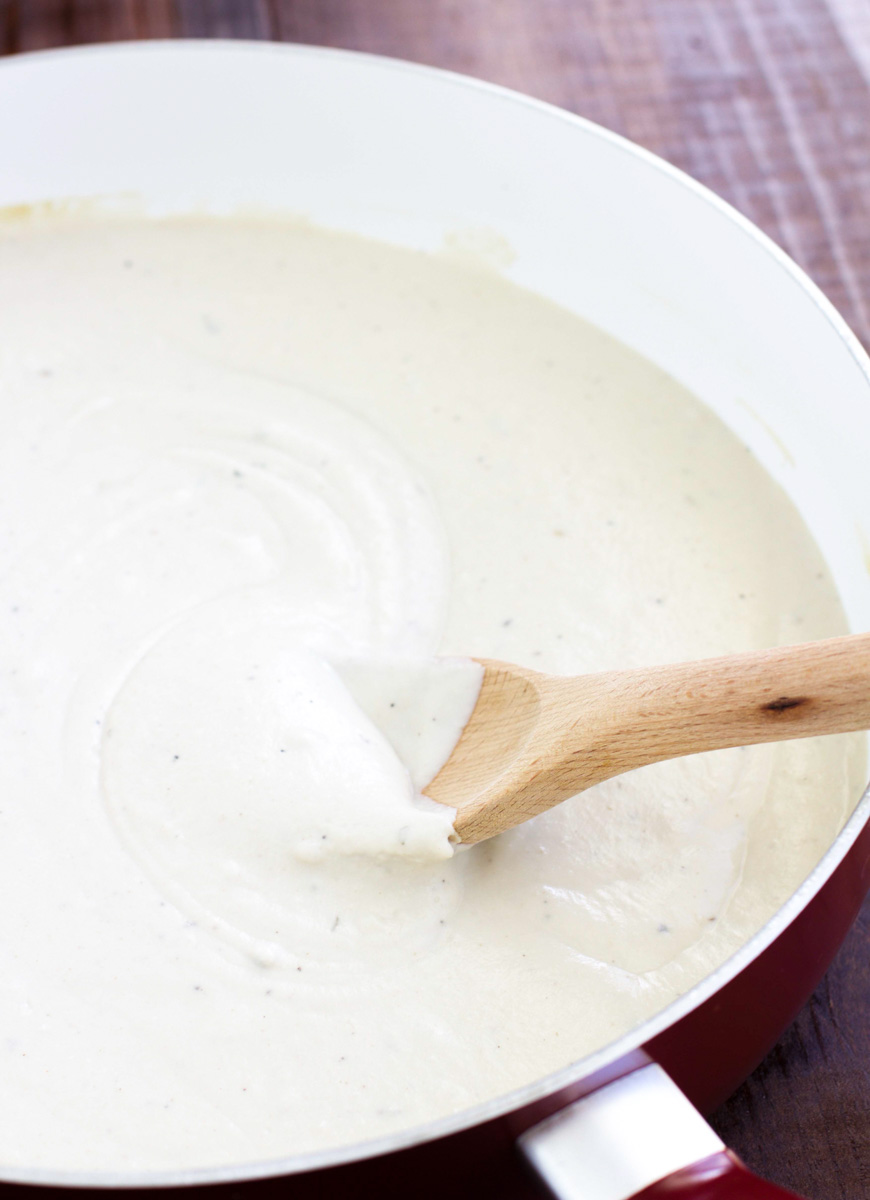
(767,102)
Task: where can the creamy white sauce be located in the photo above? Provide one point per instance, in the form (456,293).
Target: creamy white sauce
(242,461)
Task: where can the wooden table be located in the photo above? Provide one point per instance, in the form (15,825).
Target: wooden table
(767,102)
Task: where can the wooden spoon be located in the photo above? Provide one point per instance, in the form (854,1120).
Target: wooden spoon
(533,740)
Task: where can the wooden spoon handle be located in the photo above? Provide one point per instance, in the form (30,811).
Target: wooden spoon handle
(767,696)
(553,736)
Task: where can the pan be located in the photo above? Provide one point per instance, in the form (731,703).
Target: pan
(412,155)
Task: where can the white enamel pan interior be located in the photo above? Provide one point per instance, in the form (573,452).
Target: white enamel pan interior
(411,155)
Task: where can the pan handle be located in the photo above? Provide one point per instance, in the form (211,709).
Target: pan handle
(638,1138)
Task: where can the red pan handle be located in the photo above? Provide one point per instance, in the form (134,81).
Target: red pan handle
(719,1177)
(638,1138)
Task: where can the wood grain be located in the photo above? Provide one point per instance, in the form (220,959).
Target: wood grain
(533,740)
(767,102)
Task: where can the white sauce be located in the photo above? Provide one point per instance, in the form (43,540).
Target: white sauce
(240,461)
